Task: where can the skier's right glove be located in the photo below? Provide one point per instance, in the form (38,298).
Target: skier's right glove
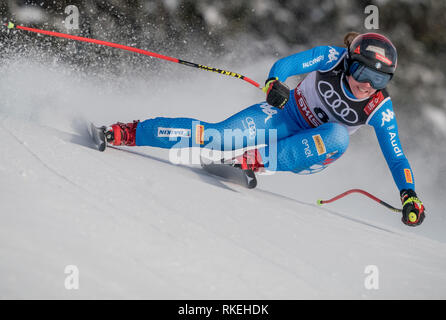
(413,208)
(277,93)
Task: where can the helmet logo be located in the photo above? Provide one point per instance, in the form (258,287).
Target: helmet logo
(378,65)
(383,59)
(377,50)
(357,50)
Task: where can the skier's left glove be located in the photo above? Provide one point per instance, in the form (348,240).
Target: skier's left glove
(277,93)
(413,208)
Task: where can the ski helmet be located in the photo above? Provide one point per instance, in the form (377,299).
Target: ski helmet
(374,51)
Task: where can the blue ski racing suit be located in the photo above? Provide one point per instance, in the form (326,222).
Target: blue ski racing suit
(310,132)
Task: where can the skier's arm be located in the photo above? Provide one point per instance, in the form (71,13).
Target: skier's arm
(386,129)
(319,58)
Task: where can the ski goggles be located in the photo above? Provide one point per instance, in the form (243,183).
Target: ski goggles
(361,73)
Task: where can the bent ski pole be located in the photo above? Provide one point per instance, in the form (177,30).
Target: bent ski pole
(11,25)
(321,202)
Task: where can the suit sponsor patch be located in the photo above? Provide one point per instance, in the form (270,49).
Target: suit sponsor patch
(408,175)
(305,110)
(373,103)
(312,62)
(173,133)
(199,134)
(319,143)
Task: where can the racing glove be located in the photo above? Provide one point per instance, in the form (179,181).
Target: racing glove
(277,93)
(413,208)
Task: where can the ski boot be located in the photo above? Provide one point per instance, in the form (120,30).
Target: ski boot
(121,134)
(250,161)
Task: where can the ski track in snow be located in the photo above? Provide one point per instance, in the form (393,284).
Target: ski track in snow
(138,226)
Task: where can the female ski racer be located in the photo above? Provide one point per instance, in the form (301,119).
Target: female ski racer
(305,129)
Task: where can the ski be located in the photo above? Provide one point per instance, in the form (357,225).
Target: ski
(231,173)
(98,137)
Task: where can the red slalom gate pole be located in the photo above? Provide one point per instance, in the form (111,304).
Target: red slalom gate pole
(346,193)
(11,25)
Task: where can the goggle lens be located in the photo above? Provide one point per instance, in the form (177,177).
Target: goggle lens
(361,73)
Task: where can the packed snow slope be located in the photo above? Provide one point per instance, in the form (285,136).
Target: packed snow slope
(137,226)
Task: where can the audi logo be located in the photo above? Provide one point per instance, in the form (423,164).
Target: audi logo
(251,126)
(334,100)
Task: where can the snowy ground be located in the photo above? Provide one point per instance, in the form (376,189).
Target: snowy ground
(137,226)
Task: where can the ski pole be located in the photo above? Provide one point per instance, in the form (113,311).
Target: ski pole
(11,25)
(321,202)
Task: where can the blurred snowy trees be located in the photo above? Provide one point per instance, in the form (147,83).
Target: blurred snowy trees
(193,29)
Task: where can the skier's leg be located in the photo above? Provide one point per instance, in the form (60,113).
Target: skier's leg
(248,127)
(308,151)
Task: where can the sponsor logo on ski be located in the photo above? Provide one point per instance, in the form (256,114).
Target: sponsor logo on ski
(199,134)
(173,133)
(319,143)
(408,175)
